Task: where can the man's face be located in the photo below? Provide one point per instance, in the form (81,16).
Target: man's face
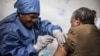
(28,19)
(74,22)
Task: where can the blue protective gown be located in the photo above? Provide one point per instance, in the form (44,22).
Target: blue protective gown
(16,40)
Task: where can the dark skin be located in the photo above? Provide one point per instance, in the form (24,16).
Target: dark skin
(60,51)
(28,19)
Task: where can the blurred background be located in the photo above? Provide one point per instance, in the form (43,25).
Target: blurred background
(56,11)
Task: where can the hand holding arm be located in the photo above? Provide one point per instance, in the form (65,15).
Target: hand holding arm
(42,42)
(59,36)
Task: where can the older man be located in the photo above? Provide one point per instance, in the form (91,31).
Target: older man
(83,37)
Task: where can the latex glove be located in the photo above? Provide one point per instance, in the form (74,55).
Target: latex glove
(42,42)
(59,36)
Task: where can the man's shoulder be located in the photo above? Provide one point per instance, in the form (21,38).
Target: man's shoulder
(79,29)
(84,29)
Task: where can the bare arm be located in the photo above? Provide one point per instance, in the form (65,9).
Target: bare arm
(60,51)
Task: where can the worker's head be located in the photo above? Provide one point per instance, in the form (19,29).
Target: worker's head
(28,11)
(82,15)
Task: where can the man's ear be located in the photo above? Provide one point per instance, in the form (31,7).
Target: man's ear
(78,22)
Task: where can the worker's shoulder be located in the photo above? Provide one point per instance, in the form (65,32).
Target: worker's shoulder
(8,23)
(8,27)
(10,18)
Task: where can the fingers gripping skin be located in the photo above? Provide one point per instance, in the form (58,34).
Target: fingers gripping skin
(59,36)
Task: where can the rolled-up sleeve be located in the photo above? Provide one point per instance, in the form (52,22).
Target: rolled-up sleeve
(48,28)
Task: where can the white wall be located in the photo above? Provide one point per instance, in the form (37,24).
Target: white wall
(60,11)
(6,8)
(57,11)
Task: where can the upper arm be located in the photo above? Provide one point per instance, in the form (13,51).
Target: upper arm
(60,51)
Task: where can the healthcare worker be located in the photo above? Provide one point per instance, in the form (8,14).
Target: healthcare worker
(24,34)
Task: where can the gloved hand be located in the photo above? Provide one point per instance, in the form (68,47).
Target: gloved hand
(42,42)
(59,36)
